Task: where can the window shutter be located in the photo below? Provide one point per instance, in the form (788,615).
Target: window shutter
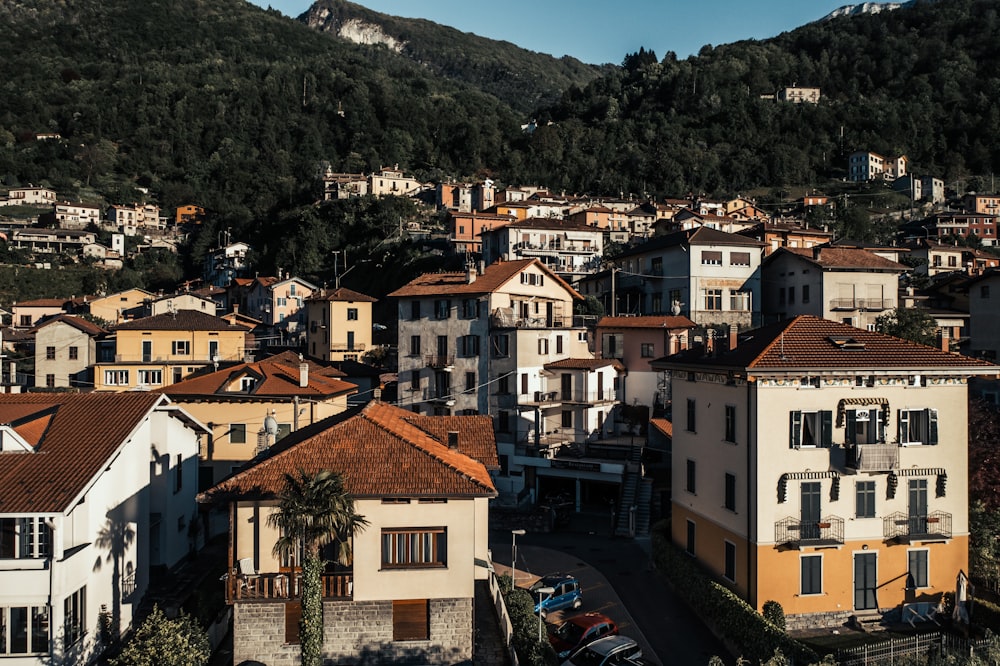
(904,425)
(796,430)
(293,616)
(826,428)
(932,427)
(850,433)
(875,417)
(410,620)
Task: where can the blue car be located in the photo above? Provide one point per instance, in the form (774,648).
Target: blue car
(566,593)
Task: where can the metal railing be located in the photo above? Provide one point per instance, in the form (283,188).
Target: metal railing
(439,361)
(900,525)
(792,531)
(862,304)
(873,457)
(283,586)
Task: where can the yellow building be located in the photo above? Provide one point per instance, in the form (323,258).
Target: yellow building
(116,308)
(824,467)
(339,324)
(164,349)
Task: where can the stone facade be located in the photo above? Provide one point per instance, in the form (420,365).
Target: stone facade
(808,621)
(356,633)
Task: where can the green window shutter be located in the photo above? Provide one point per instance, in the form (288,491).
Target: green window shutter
(826,428)
(932,426)
(850,435)
(796,440)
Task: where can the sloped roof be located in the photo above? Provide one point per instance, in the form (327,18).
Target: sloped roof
(840,257)
(342,294)
(78,323)
(646,321)
(381,450)
(182,320)
(275,379)
(495,276)
(809,342)
(290,358)
(73,438)
(699,236)
(665,426)
(584,364)
(551,223)
(43,303)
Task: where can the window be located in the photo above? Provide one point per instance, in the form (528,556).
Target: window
(25,320)
(739,301)
(470,382)
(415,380)
(74,616)
(713,299)
(524,383)
(730,572)
(500,345)
(812,574)
(414,548)
(23,538)
(442,308)
(181,347)
(468,345)
(567,418)
(414,310)
(74,353)
(781,295)
(470,308)
(178,473)
(24,630)
(238,433)
(689,545)
(691,424)
(411,620)
(731,491)
(150,377)
(282,302)
(656,266)
(805,293)
(559,344)
(503,421)
(864,426)
(543,346)
(503,384)
(791,295)
(864,499)
(352,314)
(247,384)
(116,377)
(811,429)
(50,353)
(711,258)
(918,426)
(50,381)
(984,291)
(646,350)
(532,279)
(739,258)
(730,423)
(414,345)
(690,483)
(952,261)
(917,569)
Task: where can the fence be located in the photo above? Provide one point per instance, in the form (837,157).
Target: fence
(506,628)
(888,651)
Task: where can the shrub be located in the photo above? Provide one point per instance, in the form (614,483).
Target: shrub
(775,614)
(521,608)
(160,641)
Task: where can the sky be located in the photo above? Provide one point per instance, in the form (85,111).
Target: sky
(602,31)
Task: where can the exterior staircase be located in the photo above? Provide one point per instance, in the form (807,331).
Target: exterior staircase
(636,491)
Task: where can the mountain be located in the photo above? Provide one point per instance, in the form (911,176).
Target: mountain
(523,79)
(863,8)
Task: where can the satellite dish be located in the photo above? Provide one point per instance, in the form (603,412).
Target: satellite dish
(270,425)
(676,308)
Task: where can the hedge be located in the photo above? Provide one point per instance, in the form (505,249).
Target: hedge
(524,622)
(746,629)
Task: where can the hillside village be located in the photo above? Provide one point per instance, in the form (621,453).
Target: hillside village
(577,355)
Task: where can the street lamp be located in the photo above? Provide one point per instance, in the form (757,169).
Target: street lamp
(513,556)
(543,593)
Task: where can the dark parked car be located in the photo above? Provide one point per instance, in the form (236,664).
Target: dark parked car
(572,634)
(566,593)
(607,651)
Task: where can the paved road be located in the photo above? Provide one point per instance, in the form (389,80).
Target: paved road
(619,581)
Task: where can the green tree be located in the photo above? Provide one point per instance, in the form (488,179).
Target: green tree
(160,641)
(913,324)
(315,511)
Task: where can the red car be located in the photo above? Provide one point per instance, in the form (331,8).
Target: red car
(579,630)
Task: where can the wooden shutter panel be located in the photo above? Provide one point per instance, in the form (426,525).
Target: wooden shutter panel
(411,620)
(293,616)
(796,425)
(850,433)
(932,426)
(826,428)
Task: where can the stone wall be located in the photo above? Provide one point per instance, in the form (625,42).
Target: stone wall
(803,621)
(355,633)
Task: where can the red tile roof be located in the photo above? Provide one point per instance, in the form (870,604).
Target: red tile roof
(809,342)
(342,294)
(647,321)
(43,303)
(495,276)
(840,257)
(584,364)
(663,425)
(74,435)
(182,320)
(382,451)
(78,323)
(275,379)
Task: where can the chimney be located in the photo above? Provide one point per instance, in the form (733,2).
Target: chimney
(945,341)
(470,273)
(452,439)
(303,375)
(236,308)
(482,266)
(733,341)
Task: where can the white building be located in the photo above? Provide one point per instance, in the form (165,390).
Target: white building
(569,249)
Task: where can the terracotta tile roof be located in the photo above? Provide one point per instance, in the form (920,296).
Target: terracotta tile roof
(552,223)
(495,276)
(646,321)
(699,236)
(342,294)
(584,364)
(382,451)
(663,425)
(43,303)
(78,323)
(74,435)
(809,342)
(182,320)
(274,379)
(290,358)
(840,257)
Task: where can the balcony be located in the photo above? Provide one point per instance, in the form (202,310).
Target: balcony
(872,457)
(905,528)
(439,361)
(283,586)
(345,347)
(873,304)
(795,533)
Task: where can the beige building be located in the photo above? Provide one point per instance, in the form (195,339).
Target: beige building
(29,196)
(339,324)
(158,351)
(391,180)
(27,314)
(824,467)
(65,349)
(116,308)
(423,484)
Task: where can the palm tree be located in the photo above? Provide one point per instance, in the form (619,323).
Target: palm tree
(315,511)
